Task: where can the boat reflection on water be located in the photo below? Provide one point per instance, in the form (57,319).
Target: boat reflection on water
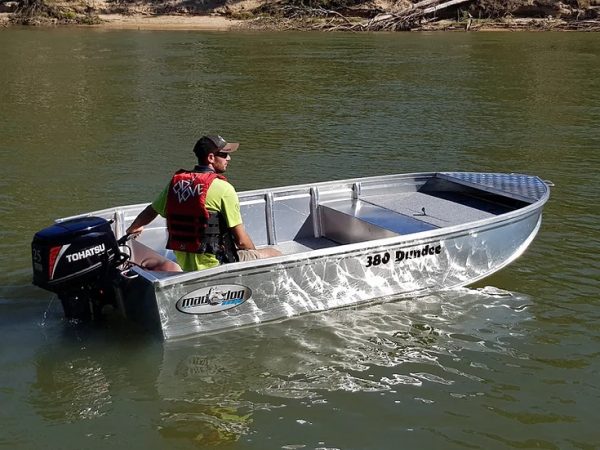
(219,381)
(208,390)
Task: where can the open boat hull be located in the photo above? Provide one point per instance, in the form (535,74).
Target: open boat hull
(345,243)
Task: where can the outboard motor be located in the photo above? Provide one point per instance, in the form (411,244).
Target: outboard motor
(78,259)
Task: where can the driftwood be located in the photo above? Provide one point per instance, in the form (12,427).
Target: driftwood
(583,25)
(434,9)
(419,15)
(420,5)
(405,19)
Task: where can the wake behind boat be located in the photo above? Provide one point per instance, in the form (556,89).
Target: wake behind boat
(343,243)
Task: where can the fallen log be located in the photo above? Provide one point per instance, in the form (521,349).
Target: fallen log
(421,5)
(434,9)
(405,19)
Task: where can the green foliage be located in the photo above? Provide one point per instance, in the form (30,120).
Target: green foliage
(69,15)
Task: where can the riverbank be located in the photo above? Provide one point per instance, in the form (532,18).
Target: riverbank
(132,20)
(221,23)
(260,15)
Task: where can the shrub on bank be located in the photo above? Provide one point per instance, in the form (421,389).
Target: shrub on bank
(53,12)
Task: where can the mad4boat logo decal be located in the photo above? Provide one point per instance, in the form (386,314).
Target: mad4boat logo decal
(212,299)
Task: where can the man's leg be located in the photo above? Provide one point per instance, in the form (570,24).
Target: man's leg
(259,253)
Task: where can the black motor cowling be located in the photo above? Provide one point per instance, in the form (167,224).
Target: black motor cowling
(77,259)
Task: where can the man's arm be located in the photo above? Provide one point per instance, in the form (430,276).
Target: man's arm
(231,209)
(241,238)
(143,218)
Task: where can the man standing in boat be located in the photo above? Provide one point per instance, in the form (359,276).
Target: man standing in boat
(202,209)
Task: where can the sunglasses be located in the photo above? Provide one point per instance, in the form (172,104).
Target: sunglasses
(222,155)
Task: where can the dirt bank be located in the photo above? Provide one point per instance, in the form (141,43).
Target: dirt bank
(167,22)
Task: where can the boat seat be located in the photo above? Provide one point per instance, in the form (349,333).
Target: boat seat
(350,221)
(430,209)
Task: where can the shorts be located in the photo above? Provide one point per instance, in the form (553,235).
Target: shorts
(248,255)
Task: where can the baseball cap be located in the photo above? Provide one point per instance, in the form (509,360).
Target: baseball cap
(213,144)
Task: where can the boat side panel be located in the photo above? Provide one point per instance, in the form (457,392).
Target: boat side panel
(292,217)
(302,286)
(254,215)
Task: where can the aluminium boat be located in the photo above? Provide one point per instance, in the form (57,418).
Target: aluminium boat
(343,243)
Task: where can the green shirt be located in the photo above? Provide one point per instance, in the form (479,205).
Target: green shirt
(221,197)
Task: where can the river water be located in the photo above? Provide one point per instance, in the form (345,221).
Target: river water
(92,118)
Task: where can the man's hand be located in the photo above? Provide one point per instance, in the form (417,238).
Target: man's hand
(136,230)
(143,218)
